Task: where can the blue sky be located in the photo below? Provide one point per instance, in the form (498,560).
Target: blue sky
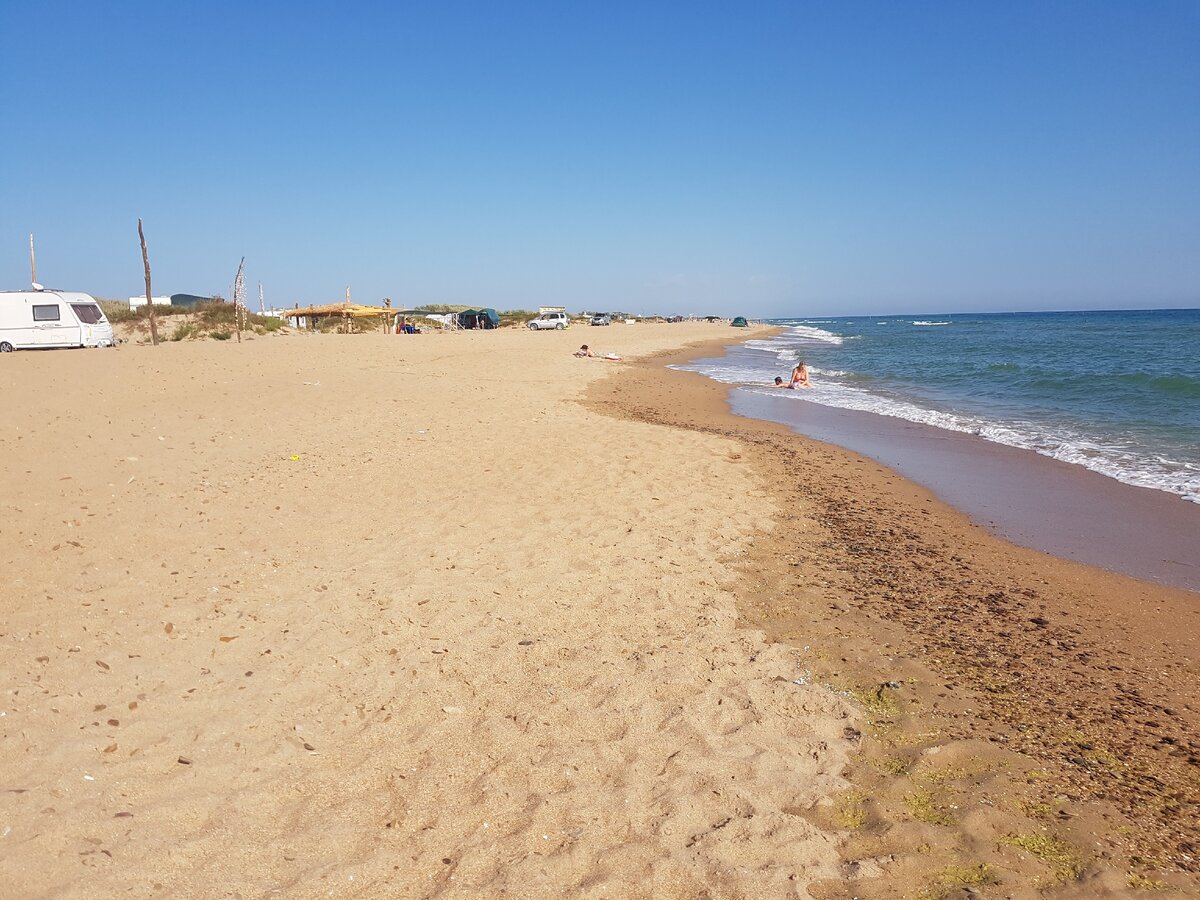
(768,159)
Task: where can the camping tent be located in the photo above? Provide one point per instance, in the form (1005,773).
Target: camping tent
(740,322)
(478,318)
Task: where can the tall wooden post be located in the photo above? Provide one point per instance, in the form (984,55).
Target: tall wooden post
(239,297)
(149,298)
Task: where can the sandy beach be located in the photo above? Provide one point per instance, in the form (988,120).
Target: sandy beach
(388,616)
(463,615)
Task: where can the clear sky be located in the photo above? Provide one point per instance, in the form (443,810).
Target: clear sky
(766,158)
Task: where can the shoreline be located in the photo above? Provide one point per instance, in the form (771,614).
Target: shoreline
(1012,656)
(1040,503)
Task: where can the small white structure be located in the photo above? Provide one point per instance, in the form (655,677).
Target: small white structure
(135,302)
(40,319)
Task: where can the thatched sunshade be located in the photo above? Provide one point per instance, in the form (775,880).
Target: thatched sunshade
(354,310)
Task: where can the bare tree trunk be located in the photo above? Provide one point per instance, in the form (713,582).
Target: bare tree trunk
(149,298)
(239,290)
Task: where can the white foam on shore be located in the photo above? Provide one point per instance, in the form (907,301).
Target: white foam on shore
(1114,461)
(1119,462)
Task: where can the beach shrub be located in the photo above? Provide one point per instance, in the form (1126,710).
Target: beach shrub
(442,308)
(117,311)
(183,330)
(1065,860)
(892,766)
(1142,883)
(923,807)
(851,811)
(220,335)
(955,878)
(875,703)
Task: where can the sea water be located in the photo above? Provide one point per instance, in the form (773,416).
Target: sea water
(1117,392)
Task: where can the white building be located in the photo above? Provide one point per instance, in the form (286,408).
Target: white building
(135,302)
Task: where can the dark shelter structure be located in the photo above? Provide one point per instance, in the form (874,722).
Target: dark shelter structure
(188,299)
(478,318)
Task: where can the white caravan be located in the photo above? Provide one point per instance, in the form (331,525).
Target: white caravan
(34,320)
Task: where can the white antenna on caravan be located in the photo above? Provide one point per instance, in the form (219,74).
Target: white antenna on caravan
(33,266)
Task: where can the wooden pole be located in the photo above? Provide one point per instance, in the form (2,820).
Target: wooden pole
(239,299)
(149,298)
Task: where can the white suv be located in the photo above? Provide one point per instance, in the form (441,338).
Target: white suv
(549,320)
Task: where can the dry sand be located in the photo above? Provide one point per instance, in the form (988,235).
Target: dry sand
(401,616)
(389,616)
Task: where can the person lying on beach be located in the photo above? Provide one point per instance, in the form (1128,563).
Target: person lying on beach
(779,383)
(586,351)
(800,375)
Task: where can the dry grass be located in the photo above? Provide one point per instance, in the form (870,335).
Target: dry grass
(924,807)
(851,812)
(954,878)
(1066,861)
(1143,883)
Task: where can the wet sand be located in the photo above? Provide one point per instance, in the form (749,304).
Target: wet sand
(1012,699)
(1031,500)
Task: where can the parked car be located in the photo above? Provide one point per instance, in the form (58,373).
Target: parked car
(557,320)
(601,319)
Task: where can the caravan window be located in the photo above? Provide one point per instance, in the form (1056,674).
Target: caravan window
(46,312)
(89,313)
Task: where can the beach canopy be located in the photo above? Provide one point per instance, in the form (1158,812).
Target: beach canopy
(354,310)
(740,322)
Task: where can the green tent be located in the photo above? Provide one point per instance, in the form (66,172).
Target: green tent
(740,322)
(478,318)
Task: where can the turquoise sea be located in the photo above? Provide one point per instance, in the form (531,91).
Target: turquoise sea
(1115,391)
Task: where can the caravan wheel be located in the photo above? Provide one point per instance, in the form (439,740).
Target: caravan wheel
(6,347)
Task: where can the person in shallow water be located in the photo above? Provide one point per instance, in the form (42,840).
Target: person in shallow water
(800,375)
